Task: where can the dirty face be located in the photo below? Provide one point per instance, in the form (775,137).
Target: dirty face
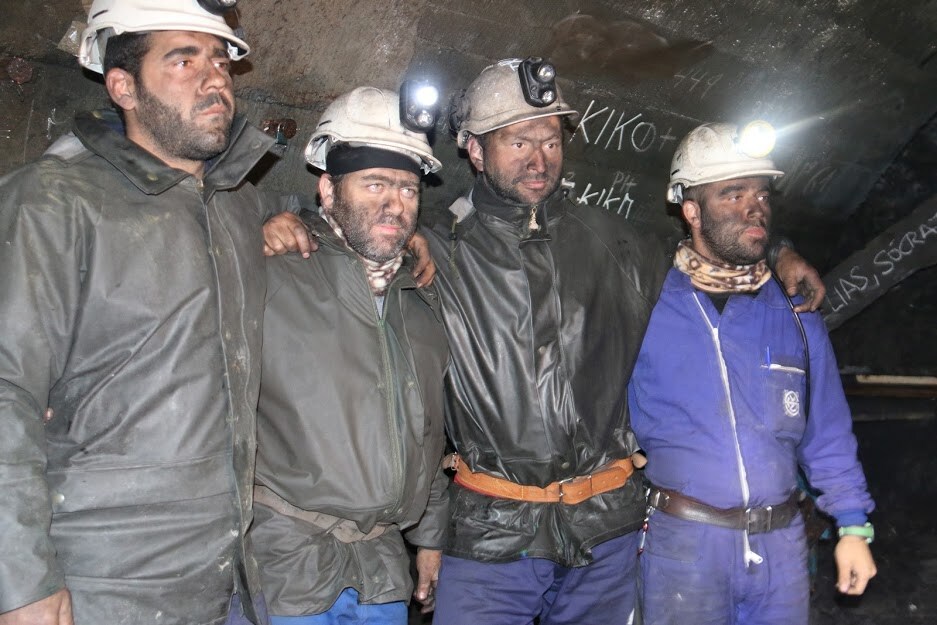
(734,221)
(522,162)
(376,209)
(184,95)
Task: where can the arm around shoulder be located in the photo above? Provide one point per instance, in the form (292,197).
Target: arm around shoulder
(798,276)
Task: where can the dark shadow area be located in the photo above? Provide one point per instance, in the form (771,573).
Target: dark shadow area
(900,465)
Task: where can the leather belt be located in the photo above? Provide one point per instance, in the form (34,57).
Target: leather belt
(754,520)
(570,491)
(344,530)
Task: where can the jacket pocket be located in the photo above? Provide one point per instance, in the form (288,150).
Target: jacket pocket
(785,396)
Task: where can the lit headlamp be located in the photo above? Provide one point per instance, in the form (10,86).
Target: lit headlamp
(419,105)
(756,139)
(218,7)
(538,81)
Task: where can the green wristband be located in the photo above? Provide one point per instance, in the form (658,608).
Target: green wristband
(866,531)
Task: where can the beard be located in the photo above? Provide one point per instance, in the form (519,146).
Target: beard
(182,137)
(506,187)
(723,237)
(356,221)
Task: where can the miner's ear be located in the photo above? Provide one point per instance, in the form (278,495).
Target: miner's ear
(326,192)
(122,88)
(691,214)
(476,153)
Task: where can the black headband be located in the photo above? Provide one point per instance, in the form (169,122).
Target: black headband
(345,159)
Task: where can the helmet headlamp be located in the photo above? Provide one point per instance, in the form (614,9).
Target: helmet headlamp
(419,105)
(538,81)
(757,139)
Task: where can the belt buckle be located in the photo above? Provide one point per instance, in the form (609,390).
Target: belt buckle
(658,499)
(562,483)
(750,520)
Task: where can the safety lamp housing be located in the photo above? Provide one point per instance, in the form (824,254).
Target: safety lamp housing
(419,105)
(757,139)
(538,81)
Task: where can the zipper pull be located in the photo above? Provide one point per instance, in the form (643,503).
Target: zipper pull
(532,225)
(750,556)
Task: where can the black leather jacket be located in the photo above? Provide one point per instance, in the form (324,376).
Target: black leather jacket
(544,327)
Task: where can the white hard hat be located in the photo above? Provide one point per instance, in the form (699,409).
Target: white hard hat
(496,99)
(114,17)
(716,152)
(368,116)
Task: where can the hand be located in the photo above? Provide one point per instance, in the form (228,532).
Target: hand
(53,610)
(639,460)
(425,269)
(428,562)
(854,564)
(286,232)
(799,276)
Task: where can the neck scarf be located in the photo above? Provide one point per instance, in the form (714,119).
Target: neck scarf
(713,277)
(379,274)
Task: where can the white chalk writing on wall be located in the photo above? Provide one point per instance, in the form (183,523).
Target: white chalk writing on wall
(697,78)
(625,130)
(884,262)
(614,197)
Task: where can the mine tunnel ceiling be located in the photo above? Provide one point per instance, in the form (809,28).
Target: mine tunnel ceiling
(851,84)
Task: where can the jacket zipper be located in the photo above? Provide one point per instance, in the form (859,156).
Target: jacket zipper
(391,394)
(750,556)
(206,211)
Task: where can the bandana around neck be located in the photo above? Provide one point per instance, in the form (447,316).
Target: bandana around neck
(379,274)
(713,277)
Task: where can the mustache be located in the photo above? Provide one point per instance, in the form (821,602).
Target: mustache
(210,101)
(392,220)
(544,177)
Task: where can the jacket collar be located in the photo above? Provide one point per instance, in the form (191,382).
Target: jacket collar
(483,201)
(102,132)
(487,201)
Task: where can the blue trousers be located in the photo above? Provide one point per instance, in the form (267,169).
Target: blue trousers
(514,593)
(347,611)
(696,573)
(236,613)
